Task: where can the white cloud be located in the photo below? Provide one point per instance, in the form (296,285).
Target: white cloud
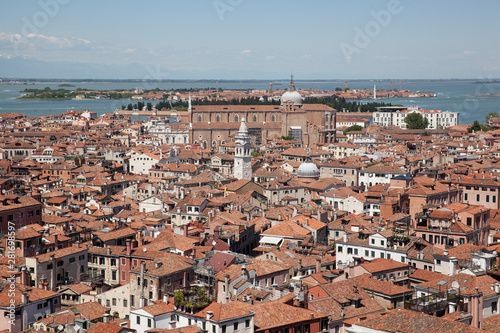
(130,50)
(469,52)
(41,46)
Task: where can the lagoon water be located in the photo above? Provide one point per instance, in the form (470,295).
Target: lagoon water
(465,96)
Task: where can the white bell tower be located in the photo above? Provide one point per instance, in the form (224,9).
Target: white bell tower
(242,153)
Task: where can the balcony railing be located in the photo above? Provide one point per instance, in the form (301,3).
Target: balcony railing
(436,302)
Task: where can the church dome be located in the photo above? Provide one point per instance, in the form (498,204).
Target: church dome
(291,96)
(308,170)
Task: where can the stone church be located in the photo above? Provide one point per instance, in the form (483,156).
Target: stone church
(212,125)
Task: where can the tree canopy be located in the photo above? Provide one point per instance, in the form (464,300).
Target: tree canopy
(477,126)
(353,128)
(416,121)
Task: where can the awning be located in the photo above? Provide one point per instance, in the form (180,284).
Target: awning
(270,240)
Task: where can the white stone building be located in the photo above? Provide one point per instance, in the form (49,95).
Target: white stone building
(437,118)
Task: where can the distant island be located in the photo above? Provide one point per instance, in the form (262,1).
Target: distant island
(213,95)
(66,85)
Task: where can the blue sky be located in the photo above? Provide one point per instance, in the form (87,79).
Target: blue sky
(250,39)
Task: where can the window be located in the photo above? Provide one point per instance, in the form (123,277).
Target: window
(382,243)
(113,275)
(373,241)
(223,328)
(487,198)
(236,326)
(367,253)
(381,254)
(494,307)
(82,257)
(478,197)
(247,323)
(388,256)
(113,301)
(101,261)
(60,263)
(125,302)
(469,221)
(72,259)
(493,198)
(132,300)
(373,254)
(339,249)
(349,250)
(149,322)
(438,262)
(138,320)
(113,262)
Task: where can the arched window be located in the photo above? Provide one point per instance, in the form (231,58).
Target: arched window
(214,143)
(217,118)
(273,117)
(254,118)
(236,118)
(199,118)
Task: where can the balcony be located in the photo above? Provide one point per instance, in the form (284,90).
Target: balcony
(94,278)
(433,303)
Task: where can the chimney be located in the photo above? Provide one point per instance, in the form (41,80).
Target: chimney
(24,276)
(244,272)
(108,250)
(53,273)
(128,242)
(77,244)
(318,264)
(165,298)
(143,268)
(453,266)
(185,228)
(300,266)
(210,314)
(158,264)
(142,302)
(105,318)
(25,298)
(226,287)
